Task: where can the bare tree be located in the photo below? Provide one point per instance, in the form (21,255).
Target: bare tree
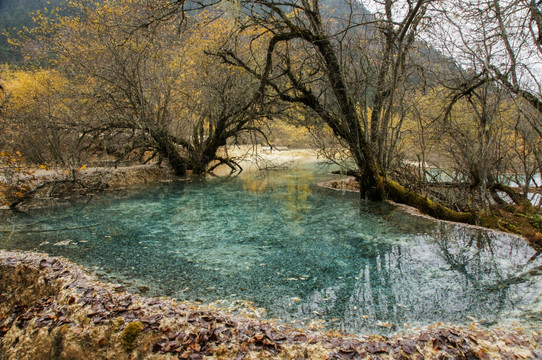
(152,88)
(494,44)
(304,65)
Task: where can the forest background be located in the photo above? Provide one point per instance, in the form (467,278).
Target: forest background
(433,104)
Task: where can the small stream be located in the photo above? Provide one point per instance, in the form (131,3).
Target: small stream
(302,252)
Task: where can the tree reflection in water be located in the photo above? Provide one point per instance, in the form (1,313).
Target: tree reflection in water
(302,252)
(450,274)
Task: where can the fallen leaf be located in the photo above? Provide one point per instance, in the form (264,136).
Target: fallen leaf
(383,324)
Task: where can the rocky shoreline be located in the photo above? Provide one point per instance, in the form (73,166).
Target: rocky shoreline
(51,308)
(56,186)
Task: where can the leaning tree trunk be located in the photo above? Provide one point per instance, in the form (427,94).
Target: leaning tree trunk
(373,183)
(168,150)
(199,160)
(399,194)
(374,186)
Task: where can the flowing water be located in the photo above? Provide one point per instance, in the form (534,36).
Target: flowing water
(302,252)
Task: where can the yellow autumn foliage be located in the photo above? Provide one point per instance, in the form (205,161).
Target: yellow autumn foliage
(26,86)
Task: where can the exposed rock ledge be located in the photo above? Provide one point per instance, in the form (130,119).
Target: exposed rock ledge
(52,309)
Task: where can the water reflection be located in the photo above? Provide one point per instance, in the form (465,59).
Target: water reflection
(450,274)
(256,184)
(294,200)
(301,252)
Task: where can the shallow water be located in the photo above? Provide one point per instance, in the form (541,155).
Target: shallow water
(301,252)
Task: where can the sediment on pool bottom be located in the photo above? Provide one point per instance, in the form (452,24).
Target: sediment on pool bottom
(52,309)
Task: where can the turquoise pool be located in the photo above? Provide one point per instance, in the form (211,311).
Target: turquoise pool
(302,252)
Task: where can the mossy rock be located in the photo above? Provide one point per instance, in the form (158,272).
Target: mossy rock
(130,334)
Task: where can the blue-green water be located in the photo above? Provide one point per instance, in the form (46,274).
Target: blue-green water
(301,252)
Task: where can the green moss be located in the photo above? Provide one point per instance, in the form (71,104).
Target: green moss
(536,221)
(117,323)
(399,194)
(512,228)
(489,221)
(130,334)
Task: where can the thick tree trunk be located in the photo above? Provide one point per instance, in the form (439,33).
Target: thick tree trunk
(167,148)
(370,181)
(199,162)
(375,187)
(397,193)
(200,158)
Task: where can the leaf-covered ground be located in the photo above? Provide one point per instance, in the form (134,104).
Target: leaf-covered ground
(52,309)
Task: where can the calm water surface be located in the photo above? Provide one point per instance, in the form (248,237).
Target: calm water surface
(301,252)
